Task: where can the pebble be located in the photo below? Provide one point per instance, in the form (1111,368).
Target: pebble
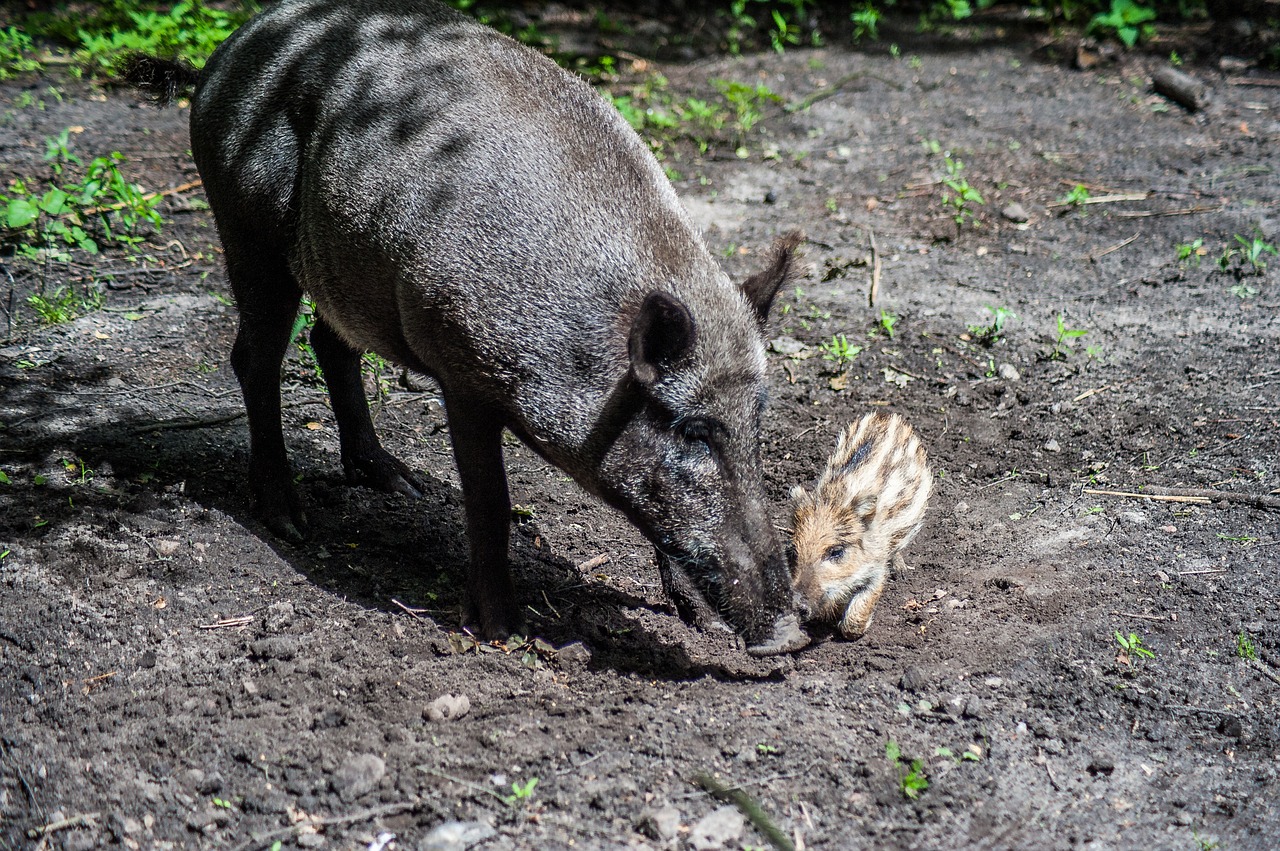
(1015,212)
(310,840)
(447,707)
(1008,372)
(1052,445)
(357,776)
(166,547)
(973,708)
(913,679)
(661,824)
(993,682)
(719,828)
(574,657)
(1101,763)
(1231,727)
(456,836)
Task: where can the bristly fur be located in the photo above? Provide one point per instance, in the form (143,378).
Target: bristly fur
(867,505)
(163,80)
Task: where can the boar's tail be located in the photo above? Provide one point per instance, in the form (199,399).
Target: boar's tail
(162,79)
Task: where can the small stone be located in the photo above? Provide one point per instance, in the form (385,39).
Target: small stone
(1053,747)
(993,682)
(973,708)
(1183,819)
(1101,763)
(1052,445)
(1008,372)
(771,197)
(80,840)
(456,836)
(357,776)
(166,547)
(661,824)
(719,828)
(913,679)
(310,840)
(447,707)
(1015,212)
(575,656)
(788,346)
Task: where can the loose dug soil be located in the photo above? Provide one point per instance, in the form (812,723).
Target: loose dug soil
(174,677)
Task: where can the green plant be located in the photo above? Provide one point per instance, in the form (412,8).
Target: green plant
(64,304)
(1244,647)
(1254,251)
(1127,20)
(1132,646)
(1061,344)
(300,334)
(1191,252)
(747,103)
(911,779)
(1243,290)
(521,792)
(16,52)
(1242,540)
(991,333)
(961,194)
(839,351)
(866,22)
(886,321)
(970,754)
(188,30)
(1077,197)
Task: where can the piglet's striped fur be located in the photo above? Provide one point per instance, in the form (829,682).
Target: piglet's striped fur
(867,505)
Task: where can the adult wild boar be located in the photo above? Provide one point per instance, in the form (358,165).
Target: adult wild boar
(460,205)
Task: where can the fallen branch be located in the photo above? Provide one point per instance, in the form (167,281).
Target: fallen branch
(593,563)
(1265,671)
(1104,252)
(1158,497)
(875,271)
(86,819)
(749,807)
(1184,211)
(1105,199)
(1181,87)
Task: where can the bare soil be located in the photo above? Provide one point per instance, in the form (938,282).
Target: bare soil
(174,677)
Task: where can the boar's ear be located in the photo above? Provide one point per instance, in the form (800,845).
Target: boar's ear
(661,336)
(761,287)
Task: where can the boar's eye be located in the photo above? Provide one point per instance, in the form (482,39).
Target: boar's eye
(696,430)
(834,553)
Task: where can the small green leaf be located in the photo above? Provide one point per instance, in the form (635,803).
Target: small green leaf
(20,213)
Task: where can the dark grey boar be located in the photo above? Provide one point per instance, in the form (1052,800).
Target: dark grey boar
(460,205)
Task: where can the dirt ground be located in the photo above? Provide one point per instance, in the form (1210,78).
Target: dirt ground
(174,677)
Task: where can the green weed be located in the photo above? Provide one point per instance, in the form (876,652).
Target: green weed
(991,333)
(911,779)
(189,30)
(1189,253)
(961,195)
(886,322)
(747,103)
(1062,344)
(64,304)
(839,351)
(1127,20)
(1244,647)
(16,53)
(1077,197)
(521,792)
(866,22)
(1254,251)
(1133,647)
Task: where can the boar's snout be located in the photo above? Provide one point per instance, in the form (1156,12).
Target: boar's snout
(785,636)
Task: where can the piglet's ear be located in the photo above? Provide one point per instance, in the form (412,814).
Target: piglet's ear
(662,336)
(761,287)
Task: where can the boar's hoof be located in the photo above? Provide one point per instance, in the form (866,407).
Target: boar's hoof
(787,637)
(383,472)
(291,529)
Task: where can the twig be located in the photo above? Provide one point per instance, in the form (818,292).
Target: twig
(416,613)
(1105,199)
(1104,252)
(1053,781)
(593,563)
(1158,497)
(266,839)
(1267,503)
(1254,81)
(86,819)
(833,89)
(1184,211)
(875,271)
(1265,671)
(750,808)
(229,623)
(475,787)
(1141,617)
(572,768)
(1086,394)
(1202,572)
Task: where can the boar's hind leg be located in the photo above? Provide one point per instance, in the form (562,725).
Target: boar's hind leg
(267,297)
(477,450)
(364,460)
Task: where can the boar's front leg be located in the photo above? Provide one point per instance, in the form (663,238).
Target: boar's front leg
(476,433)
(364,461)
(267,297)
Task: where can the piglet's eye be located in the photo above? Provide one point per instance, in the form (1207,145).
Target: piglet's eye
(834,553)
(696,431)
